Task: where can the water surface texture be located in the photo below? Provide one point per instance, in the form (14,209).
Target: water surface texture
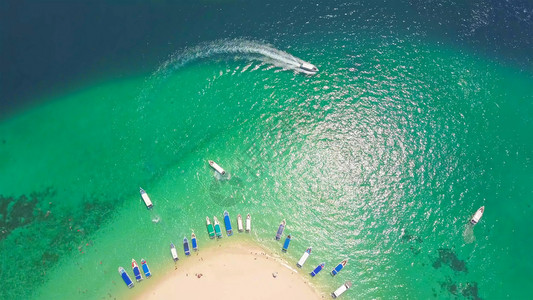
(420,114)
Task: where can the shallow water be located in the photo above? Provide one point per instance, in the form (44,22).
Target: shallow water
(382,157)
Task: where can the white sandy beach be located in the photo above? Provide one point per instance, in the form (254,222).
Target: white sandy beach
(237,270)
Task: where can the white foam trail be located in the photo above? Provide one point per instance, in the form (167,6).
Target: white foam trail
(249,49)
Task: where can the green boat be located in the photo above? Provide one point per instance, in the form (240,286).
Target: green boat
(217,228)
(210,229)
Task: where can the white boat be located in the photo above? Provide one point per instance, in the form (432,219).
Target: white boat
(248,223)
(479,213)
(343,288)
(308,68)
(173,252)
(217,168)
(146,199)
(304,257)
(239,223)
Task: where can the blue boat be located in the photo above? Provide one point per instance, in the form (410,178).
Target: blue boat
(193,242)
(317,269)
(286,244)
(280,230)
(146,270)
(339,267)
(186,247)
(136,270)
(227,223)
(125,277)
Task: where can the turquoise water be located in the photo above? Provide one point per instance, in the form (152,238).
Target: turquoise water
(381,157)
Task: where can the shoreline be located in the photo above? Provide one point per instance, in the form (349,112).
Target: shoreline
(240,269)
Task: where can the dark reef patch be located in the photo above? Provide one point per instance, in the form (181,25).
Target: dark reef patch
(468,290)
(448,257)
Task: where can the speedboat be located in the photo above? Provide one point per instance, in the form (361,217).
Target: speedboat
(308,68)
(125,277)
(343,288)
(280,230)
(186,247)
(248,223)
(339,267)
(479,213)
(318,269)
(286,244)
(146,270)
(146,199)
(193,242)
(136,270)
(304,257)
(217,168)
(227,223)
(239,223)
(218,232)
(174,252)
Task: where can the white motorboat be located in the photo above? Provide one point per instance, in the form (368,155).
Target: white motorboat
(217,168)
(308,68)
(479,213)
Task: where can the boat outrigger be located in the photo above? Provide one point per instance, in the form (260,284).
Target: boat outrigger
(343,288)
(339,267)
(125,277)
(174,252)
(248,223)
(193,242)
(239,223)
(286,244)
(317,269)
(146,199)
(479,213)
(218,232)
(210,228)
(227,223)
(280,230)
(186,246)
(136,270)
(217,168)
(308,68)
(304,257)
(146,270)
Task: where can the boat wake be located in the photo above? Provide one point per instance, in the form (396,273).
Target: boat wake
(468,233)
(238,49)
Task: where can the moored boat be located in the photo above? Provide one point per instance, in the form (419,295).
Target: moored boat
(210,228)
(125,277)
(286,244)
(280,230)
(477,216)
(186,247)
(248,223)
(146,199)
(218,231)
(343,288)
(339,267)
(173,252)
(217,168)
(145,268)
(194,242)
(239,223)
(136,270)
(304,257)
(227,223)
(317,269)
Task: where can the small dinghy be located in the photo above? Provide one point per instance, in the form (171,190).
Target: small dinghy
(210,228)
(239,223)
(136,270)
(193,242)
(146,270)
(174,252)
(339,267)
(125,277)
(218,232)
(479,213)
(304,257)
(286,244)
(217,168)
(186,247)
(248,223)
(280,230)
(146,199)
(227,223)
(317,269)
(343,288)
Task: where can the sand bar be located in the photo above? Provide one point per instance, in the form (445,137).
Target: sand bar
(239,270)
